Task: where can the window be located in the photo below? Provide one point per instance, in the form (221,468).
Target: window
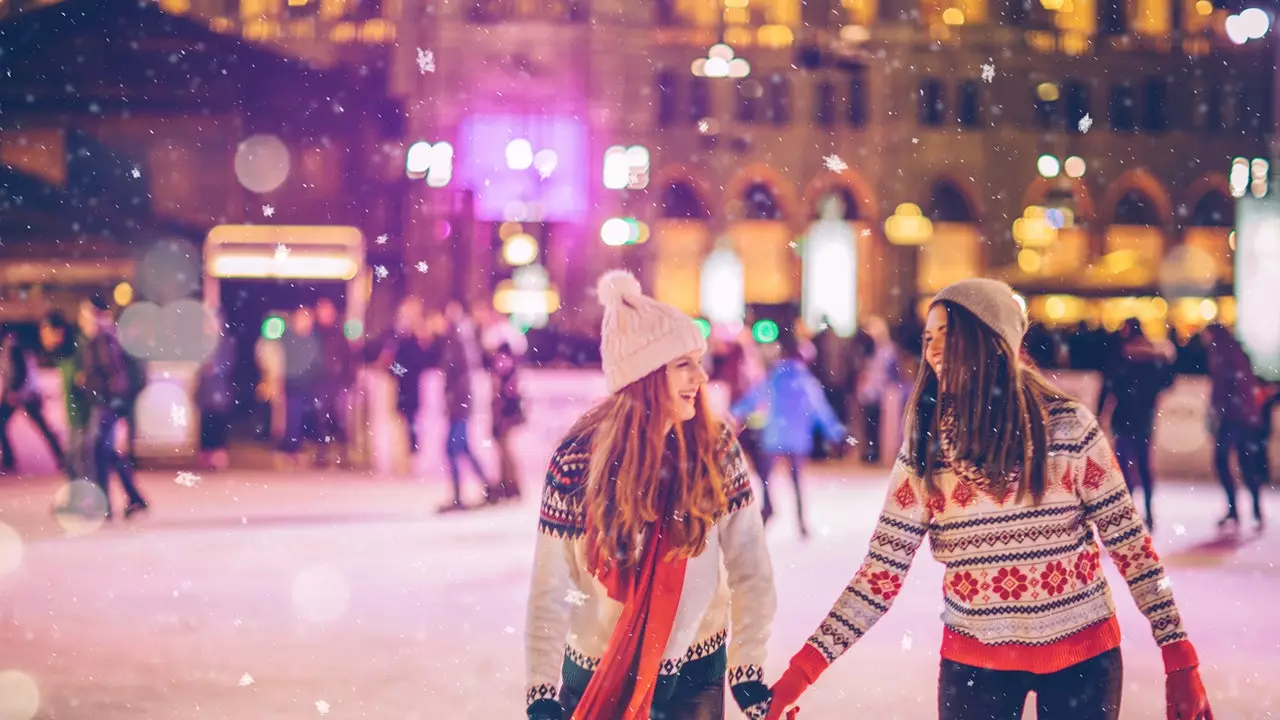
(1045,96)
(1153,110)
(825,105)
(858,106)
(969,112)
(303,8)
(779,100)
(1121,109)
(1075,95)
(761,204)
(1215,120)
(699,99)
(748,97)
(364,9)
(1252,112)
(933,103)
(1111,17)
(680,200)
(666,103)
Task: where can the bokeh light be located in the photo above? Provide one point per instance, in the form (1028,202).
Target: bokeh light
(138,328)
(273,327)
(262,163)
(122,294)
(320,594)
(19,696)
(155,411)
(519,154)
(520,249)
(10,549)
(351,329)
(615,232)
(169,270)
(188,332)
(1048,166)
(765,331)
(1074,166)
(703,326)
(87,498)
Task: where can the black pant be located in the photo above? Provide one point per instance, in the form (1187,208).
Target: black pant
(102,425)
(35,410)
(688,703)
(1089,690)
(215,426)
(794,460)
(1243,440)
(1133,450)
(410,415)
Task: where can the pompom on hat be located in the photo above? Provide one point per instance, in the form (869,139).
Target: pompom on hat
(639,334)
(993,303)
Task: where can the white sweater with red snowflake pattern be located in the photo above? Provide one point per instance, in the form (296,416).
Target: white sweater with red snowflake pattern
(1023,588)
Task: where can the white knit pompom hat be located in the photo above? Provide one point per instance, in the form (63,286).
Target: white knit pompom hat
(639,334)
(993,303)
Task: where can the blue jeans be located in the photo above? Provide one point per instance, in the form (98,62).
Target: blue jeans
(457,447)
(102,426)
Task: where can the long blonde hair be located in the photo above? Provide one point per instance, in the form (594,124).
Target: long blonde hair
(630,446)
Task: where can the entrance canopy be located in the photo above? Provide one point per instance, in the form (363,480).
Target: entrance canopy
(292,252)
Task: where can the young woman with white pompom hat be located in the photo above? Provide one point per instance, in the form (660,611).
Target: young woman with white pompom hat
(647,502)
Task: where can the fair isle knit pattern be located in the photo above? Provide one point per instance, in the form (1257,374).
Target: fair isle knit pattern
(1023,581)
(570,616)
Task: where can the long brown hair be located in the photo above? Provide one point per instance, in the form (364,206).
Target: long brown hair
(1000,405)
(630,445)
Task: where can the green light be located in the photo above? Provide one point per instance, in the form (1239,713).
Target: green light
(765,331)
(273,327)
(353,329)
(703,326)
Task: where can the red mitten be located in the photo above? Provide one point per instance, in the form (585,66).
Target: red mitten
(786,692)
(1185,698)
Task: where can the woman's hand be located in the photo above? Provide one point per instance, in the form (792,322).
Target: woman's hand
(1185,697)
(786,692)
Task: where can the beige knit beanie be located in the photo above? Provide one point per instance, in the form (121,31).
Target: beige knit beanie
(639,334)
(993,303)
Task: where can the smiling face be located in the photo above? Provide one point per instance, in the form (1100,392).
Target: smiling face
(685,378)
(935,338)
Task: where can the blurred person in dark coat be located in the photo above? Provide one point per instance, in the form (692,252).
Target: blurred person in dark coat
(20,390)
(337,377)
(460,355)
(1234,418)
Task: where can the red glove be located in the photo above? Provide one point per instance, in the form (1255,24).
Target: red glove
(786,692)
(1185,698)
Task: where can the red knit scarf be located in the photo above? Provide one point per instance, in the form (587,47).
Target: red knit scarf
(623,685)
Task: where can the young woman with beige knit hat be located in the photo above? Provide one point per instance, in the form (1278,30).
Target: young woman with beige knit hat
(647,502)
(1011,481)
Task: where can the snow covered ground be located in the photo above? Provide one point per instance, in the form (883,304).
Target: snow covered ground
(259,596)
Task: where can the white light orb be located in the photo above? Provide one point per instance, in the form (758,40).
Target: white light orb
(320,594)
(520,249)
(418,160)
(716,68)
(615,232)
(261,163)
(1048,166)
(545,162)
(138,330)
(1255,23)
(87,498)
(19,696)
(1237,30)
(1074,166)
(187,331)
(10,549)
(720,51)
(519,154)
(638,157)
(169,270)
(739,68)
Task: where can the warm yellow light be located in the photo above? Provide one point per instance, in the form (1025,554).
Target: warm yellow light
(1053,5)
(1204,7)
(1047,91)
(1033,230)
(510,300)
(507,229)
(1055,307)
(314,267)
(1159,307)
(123,294)
(1208,309)
(520,249)
(953,16)
(908,226)
(1029,261)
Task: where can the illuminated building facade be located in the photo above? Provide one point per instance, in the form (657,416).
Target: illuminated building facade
(1112,131)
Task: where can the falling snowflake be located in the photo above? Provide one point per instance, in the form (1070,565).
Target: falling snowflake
(190,479)
(509,630)
(1085,123)
(422,266)
(136,173)
(282,252)
(246,680)
(268,211)
(397,369)
(1164,584)
(907,641)
(915,141)
(178,415)
(834,163)
(380,272)
(851,441)
(381,239)
(426,61)
(988,72)
(576,597)
(322,707)
(703,126)
(793,244)
(1179,529)
(866,232)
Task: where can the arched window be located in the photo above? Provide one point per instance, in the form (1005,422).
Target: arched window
(948,204)
(848,203)
(1135,208)
(1214,209)
(681,201)
(761,204)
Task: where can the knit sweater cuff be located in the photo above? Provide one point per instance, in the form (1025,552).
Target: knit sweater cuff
(1180,655)
(809,662)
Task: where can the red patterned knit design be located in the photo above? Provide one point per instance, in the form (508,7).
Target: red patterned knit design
(1023,589)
